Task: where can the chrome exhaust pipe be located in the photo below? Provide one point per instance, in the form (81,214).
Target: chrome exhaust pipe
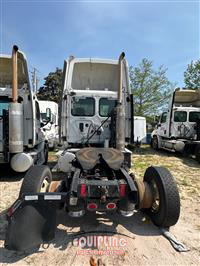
(15,111)
(14,74)
(120,121)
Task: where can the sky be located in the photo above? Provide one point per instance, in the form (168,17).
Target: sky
(166,32)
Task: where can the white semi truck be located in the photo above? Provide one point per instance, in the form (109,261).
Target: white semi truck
(179,126)
(22,142)
(93,178)
(51,129)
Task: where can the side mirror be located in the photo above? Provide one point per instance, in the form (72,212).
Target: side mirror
(48,114)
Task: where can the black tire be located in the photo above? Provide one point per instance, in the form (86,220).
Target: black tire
(197,153)
(154,143)
(168,210)
(35,178)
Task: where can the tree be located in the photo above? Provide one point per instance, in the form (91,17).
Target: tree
(52,88)
(192,75)
(151,88)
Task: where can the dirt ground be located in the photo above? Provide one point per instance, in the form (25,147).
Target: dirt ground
(145,244)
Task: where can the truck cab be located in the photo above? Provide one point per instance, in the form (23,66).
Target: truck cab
(22,142)
(178,128)
(89,97)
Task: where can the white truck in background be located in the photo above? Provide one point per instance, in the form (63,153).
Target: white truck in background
(22,142)
(51,129)
(140,131)
(179,126)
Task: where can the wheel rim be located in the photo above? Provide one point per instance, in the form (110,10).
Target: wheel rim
(45,185)
(156,198)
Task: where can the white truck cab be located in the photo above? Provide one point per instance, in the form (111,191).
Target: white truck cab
(179,126)
(51,129)
(22,141)
(90,89)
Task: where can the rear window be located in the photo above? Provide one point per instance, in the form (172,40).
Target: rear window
(106,106)
(194,116)
(83,106)
(180,116)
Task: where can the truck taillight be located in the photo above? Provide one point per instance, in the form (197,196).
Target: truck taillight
(122,190)
(10,212)
(92,206)
(83,192)
(111,205)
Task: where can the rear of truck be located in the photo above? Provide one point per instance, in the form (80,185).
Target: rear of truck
(91,178)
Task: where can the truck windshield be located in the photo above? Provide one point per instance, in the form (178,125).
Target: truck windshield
(106,106)
(180,116)
(4,104)
(83,106)
(194,116)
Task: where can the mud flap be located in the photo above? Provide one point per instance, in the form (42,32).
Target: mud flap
(31,225)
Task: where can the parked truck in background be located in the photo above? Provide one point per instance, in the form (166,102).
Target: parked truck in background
(22,142)
(51,129)
(140,131)
(179,126)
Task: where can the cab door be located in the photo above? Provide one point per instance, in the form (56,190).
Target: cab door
(162,126)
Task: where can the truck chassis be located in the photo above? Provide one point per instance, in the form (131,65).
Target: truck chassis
(99,182)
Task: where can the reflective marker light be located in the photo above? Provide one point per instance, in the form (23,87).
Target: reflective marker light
(111,205)
(122,190)
(10,211)
(83,190)
(92,206)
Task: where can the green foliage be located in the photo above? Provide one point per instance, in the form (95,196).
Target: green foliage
(151,88)
(192,75)
(52,88)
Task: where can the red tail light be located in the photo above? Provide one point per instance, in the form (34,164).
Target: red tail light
(111,205)
(83,192)
(122,190)
(92,206)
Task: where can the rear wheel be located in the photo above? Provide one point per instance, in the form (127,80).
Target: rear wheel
(197,153)
(165,209)
(37,179)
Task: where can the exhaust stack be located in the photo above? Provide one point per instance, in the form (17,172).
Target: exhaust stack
(14,74)
(120,121)
(15,111)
